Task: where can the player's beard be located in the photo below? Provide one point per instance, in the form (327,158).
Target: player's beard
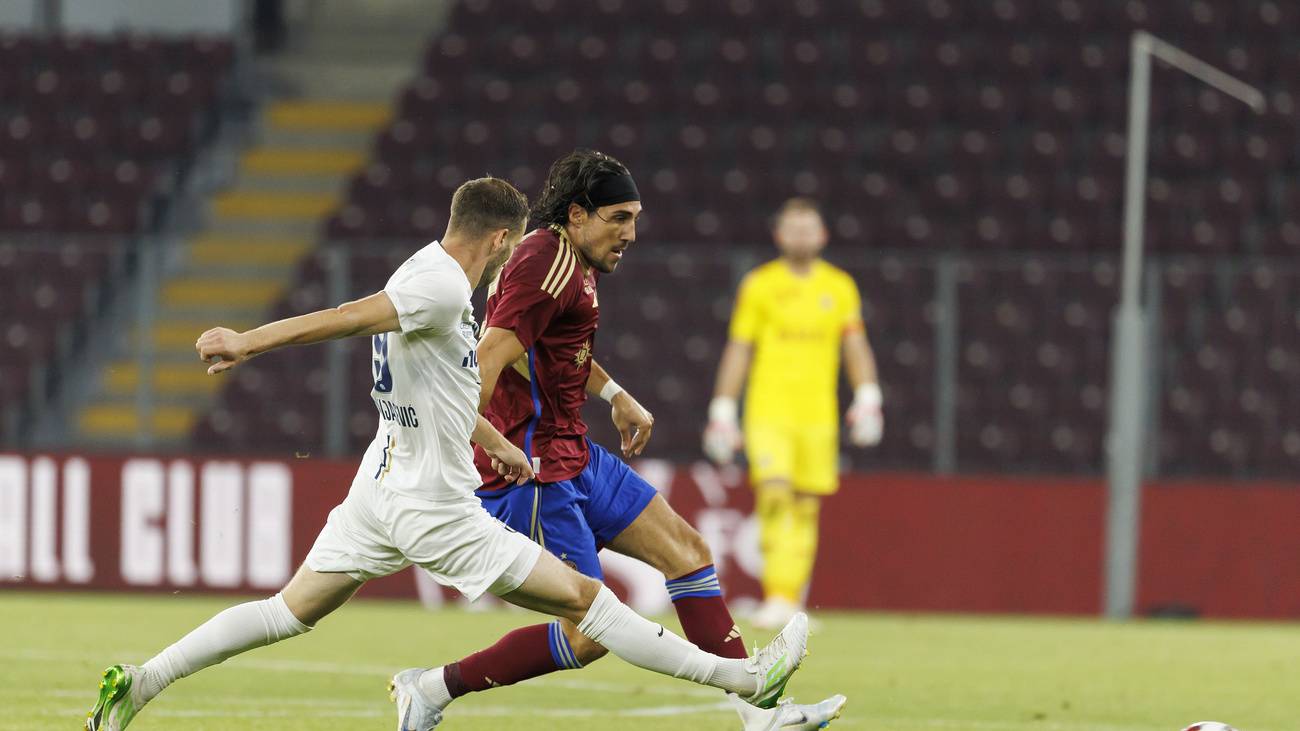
(493,268)
(490,273)
(586,250)
(802,258)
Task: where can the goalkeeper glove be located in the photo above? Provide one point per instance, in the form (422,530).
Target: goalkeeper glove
(866,422)
(722,435)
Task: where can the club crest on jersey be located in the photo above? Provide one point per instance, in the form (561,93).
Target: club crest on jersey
(580,358)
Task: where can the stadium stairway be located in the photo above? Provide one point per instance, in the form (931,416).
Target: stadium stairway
(288,183)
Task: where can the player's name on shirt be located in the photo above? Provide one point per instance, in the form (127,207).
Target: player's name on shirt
(399,414)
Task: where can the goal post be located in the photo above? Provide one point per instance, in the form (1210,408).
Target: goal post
(1126,436)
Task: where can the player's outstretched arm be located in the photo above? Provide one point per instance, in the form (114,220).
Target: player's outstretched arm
(722,435)
(866,421)
(633,421)
(366,316)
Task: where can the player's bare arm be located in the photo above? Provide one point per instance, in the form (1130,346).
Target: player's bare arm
(722,435)
(507,459)
(367,316)
(498,349)
(866,423)
(732,369)
(633,421)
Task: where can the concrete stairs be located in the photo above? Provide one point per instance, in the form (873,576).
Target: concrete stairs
(351,63)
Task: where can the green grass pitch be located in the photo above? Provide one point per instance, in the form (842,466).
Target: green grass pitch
(901,673)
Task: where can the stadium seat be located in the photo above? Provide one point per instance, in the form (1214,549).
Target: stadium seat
(994,130)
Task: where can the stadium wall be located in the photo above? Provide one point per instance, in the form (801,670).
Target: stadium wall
(897,542)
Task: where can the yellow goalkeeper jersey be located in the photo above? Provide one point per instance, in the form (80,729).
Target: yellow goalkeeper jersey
(796,325)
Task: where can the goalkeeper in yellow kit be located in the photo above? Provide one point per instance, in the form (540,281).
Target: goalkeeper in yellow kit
(794,315)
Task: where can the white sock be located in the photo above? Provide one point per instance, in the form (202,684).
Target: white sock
(433,685)
(238,629)
(645,644)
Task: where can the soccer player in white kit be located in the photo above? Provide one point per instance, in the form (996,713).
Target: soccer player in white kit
(412,500)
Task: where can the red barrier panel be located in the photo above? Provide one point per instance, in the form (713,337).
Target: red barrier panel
(1229,550)
(889,541)
(973,544)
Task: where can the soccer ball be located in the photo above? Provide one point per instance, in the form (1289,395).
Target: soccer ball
(1209,726)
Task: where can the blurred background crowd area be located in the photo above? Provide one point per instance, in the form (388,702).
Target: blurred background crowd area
(170,166)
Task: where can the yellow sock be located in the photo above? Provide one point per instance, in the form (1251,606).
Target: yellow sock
(788,541)
(773,505)
(802,546)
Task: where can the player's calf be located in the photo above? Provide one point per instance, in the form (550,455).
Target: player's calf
(585,651)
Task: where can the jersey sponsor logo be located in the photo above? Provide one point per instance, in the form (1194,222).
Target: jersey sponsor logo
(800,334)
(580,358)
(379,363)
(397,413)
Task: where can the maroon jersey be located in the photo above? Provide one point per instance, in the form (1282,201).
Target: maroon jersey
(545,295)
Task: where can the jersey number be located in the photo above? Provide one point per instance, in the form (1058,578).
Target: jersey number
(379,363)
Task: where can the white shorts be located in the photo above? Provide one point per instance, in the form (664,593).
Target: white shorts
(376,532)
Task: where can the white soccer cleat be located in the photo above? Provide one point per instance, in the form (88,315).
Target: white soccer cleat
(774,664)
(120,698)
(414,713)
(791,715)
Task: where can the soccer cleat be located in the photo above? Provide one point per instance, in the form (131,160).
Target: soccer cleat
(791,715)
(414,713)
(119,699)
(774,664)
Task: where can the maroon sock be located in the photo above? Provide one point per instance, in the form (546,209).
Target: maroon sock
(522,654)
(703,613)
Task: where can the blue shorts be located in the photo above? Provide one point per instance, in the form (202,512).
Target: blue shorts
(575,518)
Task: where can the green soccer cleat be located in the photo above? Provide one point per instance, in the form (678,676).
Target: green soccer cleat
(119,699)
(774,664)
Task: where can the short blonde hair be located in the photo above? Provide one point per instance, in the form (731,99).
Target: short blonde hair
(487,204)
(798,204)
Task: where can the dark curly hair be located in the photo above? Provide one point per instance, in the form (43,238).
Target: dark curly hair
(568,182)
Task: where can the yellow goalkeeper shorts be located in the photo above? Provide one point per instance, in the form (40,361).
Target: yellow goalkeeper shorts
(806,457)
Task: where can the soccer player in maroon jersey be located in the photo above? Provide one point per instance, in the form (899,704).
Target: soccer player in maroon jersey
(537,365)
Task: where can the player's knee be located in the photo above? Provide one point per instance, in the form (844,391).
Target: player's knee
(695,551)
(578,598)
(807,507)
(773,498)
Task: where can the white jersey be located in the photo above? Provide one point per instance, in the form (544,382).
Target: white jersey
(426,383)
